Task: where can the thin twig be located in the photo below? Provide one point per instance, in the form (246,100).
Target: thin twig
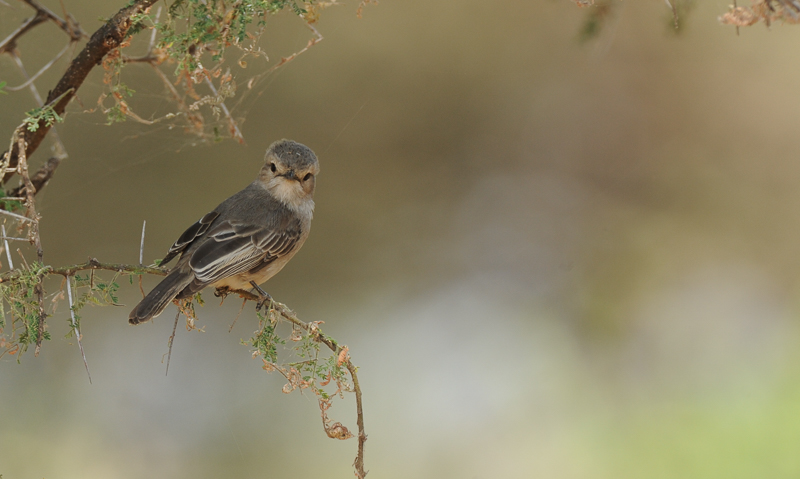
(141,246)
(10,42)
(14,215)
(284,60)
(69,27)
(41,70)
(172,340)
(234,127)
(141,258)
(244,301)
(314,331)
(362,435)
(8,249)
(194,118)
(60,150)
(154,30)
(75,327)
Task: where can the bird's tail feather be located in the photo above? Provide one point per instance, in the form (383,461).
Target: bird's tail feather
(159,298)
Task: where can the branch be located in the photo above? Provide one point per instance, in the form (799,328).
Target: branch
(314,331)
(10,43)
(91,264)
(104,40)
(311,328)
(33,232)
(43,14)
(116,267)
(39,179)
(69,26)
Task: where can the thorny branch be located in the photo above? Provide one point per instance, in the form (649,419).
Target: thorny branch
(43,14)
(26,140)
(33,231)
(105,39)
(342,352)
(311,328)
(91,264)
(106,43)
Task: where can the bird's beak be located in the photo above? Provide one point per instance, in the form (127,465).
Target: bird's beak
(290,175)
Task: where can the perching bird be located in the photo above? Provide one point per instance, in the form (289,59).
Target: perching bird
(248,238)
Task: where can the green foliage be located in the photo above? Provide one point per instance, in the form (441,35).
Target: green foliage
(46,115)
(97,292)
(19,310)
(311,367)
(265,341)
(3,85)
(22,318)
(196,26)
(9,205)
(193,36)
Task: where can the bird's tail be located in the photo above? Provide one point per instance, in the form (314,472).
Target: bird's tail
(159,298)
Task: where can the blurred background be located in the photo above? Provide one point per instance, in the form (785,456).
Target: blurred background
(548,258)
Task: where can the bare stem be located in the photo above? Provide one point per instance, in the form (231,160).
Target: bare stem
(8,249)
(172,340)
(75,327)
(141,245)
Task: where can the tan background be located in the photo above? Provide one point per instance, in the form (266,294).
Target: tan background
(549,259)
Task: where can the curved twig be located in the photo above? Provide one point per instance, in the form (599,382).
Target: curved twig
(315,332)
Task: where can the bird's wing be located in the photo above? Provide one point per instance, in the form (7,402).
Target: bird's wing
(192,233)
(231,248)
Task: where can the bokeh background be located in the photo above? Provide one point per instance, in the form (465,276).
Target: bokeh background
(549,258)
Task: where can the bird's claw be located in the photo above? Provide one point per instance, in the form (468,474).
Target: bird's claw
(263,296)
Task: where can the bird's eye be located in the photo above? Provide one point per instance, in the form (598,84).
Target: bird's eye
(308,175)
(272,167)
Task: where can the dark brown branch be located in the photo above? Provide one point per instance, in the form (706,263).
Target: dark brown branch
(39,179)
(104,40)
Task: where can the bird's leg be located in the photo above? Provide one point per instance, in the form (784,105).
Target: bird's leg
(222,292)
(264,296)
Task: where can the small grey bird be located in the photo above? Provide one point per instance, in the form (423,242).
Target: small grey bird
(248,238)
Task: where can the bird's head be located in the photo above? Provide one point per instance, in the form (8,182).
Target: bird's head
(290,173)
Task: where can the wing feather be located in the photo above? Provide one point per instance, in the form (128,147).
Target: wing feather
(230,249)
(187,238)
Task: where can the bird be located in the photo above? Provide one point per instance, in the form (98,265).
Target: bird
(245,240)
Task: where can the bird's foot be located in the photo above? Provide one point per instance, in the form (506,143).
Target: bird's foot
(222,292)
(263,296)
